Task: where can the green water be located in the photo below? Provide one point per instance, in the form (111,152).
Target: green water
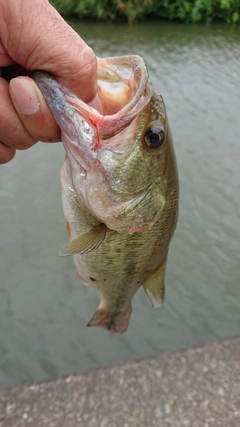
(43,308)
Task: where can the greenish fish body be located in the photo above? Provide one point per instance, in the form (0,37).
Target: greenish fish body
(119,186)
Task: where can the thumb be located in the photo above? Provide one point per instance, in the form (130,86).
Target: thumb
(35,36)
(32,110)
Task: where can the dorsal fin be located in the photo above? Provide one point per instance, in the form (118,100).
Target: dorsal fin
(154,285)
(85,243)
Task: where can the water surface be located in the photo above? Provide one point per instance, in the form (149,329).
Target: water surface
(43,308)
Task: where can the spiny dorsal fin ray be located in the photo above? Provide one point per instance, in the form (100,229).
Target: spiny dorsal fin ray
(85,243)
(154,285)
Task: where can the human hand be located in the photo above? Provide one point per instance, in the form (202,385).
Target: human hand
(33,36)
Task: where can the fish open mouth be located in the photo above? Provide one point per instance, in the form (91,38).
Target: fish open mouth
(92,138)
(122,90)
(120,84)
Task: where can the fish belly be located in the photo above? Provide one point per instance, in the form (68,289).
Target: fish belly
(109,268)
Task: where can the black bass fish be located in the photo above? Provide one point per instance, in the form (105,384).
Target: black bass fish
(119,186)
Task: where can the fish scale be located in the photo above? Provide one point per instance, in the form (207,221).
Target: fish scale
(119,186)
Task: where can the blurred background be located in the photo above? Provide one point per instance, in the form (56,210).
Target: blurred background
(43,308)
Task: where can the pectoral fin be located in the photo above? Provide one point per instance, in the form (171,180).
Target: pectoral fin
(154,285)
(85,243)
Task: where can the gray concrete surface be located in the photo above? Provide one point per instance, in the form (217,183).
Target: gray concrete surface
(197,387)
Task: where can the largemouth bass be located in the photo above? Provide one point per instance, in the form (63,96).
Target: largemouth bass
(119,185)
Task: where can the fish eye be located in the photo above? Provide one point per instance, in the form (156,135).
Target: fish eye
(154,137)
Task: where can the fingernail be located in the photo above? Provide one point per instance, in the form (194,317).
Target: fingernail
(24,95)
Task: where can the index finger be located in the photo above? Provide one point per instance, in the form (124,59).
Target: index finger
(50,45)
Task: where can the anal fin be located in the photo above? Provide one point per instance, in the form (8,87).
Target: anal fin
(154,285)
(85,243)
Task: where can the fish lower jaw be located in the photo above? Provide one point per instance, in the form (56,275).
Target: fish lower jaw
(114,322)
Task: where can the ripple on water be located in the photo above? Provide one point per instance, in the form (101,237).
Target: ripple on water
(43,309)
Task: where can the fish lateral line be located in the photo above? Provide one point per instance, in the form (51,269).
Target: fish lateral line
(119,185)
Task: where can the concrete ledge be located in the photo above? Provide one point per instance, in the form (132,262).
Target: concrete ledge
(197,387)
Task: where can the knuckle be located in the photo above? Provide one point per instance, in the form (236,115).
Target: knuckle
(89,65)
(6,153)
(14,135)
